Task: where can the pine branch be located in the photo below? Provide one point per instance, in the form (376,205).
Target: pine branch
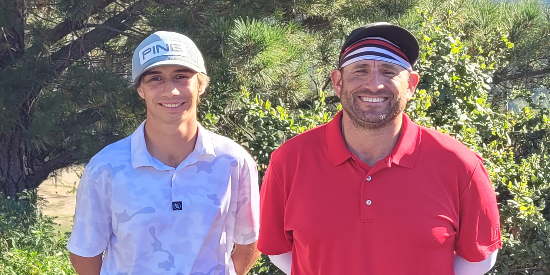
(72,24)
(111,28)
(13,35)
(62,160)
(79,48)
(86,117)
(63,157)
(55,34)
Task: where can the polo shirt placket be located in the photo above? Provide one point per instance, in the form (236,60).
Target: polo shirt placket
(181,175)
(368,209)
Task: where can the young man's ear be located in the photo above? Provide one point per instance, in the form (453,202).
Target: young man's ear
(336,77)
(140,92)
(201,90)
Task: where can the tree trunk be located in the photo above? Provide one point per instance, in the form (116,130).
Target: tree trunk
(24,168)
(12,164)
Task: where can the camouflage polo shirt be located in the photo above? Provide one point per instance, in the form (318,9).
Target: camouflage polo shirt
(151,218)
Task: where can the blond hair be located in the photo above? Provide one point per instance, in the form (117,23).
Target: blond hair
(204,80)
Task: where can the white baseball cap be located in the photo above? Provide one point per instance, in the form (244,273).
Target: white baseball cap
(166,48)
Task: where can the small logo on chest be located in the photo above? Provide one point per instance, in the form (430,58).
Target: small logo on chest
(176,205)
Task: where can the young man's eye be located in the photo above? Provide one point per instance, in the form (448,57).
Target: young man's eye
(181,76)
(153,78)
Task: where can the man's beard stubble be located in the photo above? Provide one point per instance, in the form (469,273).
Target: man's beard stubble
(355,113)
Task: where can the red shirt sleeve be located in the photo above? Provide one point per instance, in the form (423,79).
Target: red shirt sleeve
(479,221)
(273,239)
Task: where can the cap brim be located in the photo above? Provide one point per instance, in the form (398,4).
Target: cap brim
(165,63)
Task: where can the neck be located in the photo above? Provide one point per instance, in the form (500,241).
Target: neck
(169,144)
(371,145)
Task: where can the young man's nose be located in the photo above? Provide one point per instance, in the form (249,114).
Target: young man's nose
(170,88)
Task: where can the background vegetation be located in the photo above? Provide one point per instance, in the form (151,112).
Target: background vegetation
(65,94)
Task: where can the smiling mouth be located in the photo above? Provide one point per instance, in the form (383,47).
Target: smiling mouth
(373,99)
(171,105)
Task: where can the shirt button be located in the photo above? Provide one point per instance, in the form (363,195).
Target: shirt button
(369,202)
(369,178)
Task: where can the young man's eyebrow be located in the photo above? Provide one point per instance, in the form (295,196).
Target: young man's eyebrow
(182,70)
(148,73)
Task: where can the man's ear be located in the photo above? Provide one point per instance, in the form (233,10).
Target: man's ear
(202,90)
(414,78)
(336,77)
(141,93)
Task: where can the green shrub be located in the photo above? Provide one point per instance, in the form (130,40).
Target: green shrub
(28,242)
(454,98)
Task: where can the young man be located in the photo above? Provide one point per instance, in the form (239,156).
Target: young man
(172,198)
(371,192)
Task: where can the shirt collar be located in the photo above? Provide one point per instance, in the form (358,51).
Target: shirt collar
(404,154)
(407,148)
(337,148)
(204,145)
(141,157)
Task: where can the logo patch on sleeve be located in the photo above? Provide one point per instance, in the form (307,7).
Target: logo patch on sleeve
(176,205)
(495,232)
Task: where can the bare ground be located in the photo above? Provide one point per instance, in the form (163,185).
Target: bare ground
(60,195)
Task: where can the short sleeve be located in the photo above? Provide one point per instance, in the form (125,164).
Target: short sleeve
(92,223)
(479,229)
(274,240)
(247,217)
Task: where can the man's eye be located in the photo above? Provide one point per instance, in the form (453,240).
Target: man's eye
(155,78)
(389,73)
(181,76)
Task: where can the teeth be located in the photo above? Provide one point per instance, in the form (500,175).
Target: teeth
(372,99)
(175,105)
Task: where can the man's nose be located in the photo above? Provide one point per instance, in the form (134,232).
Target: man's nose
(170,88)
(374,82)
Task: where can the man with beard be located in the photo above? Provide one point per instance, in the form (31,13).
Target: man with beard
(371,192)
(173,197)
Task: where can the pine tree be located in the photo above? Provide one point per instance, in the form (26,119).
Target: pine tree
(63,92)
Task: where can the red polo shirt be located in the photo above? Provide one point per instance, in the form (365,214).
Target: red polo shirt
(407,214)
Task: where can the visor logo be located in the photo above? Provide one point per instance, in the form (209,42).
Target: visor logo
(160,48)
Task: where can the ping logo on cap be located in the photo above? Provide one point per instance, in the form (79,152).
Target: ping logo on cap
(161,48)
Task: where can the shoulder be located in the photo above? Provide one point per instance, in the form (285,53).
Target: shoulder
(111,159)
(312,139)
(444,147)
(224,146)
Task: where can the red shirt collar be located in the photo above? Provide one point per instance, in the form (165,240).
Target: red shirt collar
(404,154)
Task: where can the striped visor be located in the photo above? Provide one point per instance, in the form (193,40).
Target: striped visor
(374,48)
